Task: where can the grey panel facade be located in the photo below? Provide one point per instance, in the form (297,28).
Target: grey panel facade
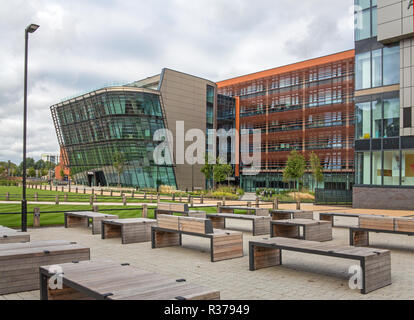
(185,99)
(395,20)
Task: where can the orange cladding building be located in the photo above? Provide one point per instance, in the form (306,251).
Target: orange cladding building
(306,106)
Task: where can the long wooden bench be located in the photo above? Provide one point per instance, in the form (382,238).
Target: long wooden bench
(87,218)
(375,263)
(178,208)
(224,244)
(291,214)
(261,225)
(8,235)
(129,230)
(102,280)
(250,210)
(313,230)
(359,236)
(20,262)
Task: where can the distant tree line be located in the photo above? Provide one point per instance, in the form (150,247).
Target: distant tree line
(10,169)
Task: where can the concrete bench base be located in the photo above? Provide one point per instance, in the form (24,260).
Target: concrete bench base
(129,230)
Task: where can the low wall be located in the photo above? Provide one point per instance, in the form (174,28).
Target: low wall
(383,198)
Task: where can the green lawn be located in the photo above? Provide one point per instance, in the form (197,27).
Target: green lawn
(50,219)
(49,196)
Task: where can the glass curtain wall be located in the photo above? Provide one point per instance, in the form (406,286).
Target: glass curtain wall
(94,129)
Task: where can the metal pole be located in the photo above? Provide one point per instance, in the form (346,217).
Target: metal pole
(24,201)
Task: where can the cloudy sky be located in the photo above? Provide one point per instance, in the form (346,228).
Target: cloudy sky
(84,44)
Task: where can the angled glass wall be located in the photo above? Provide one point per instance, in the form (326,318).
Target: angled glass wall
(95,127)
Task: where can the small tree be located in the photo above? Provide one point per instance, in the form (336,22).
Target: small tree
(295,168)
(208,170)
(222,171)
(119,165)
(316,168)
(62,174)
(32,172)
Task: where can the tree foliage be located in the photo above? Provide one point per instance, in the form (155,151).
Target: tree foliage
(295,167)
(222,171)
(119,165)
(316,168)
(208,169)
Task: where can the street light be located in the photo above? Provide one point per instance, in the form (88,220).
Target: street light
(30,29)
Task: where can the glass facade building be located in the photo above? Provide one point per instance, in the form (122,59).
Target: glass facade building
(96,126)
(384,141)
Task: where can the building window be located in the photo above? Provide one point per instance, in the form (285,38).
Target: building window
(392,168)
(377,119)
(366,17)
(363,120)
(391,118)
(407,117)
(363,71)
(363,168)
(391,65)
(377,168)
(408,168)
(377,68)
(385,119)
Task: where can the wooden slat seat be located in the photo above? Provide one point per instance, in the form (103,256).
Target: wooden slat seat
(8,235)
(20,262)
(291,214)
(87,218)
(313,230)
(250,210)
(102,280)
(177,208)
(224,244)
(359,236)
(375,263)
(129,230)
(261,224)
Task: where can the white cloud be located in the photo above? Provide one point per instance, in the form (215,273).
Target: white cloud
(84,44)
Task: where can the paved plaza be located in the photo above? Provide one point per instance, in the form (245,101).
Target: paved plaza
(302,276)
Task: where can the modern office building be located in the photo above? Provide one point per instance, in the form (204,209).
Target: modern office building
(308,107)
(50,158)
(384,97)
(96,126)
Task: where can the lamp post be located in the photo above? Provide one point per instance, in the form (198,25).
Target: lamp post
(30,29)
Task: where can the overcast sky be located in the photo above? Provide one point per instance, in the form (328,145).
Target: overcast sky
(84,44)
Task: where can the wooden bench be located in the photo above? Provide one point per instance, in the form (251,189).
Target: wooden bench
(291,214)
(179,208)
(359,236)
(224,244)
(375,263)
(313,230)
(261,225)
(87,218)
(250,210)
(129,230)
(8,235)
(20,262)
(100,280)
